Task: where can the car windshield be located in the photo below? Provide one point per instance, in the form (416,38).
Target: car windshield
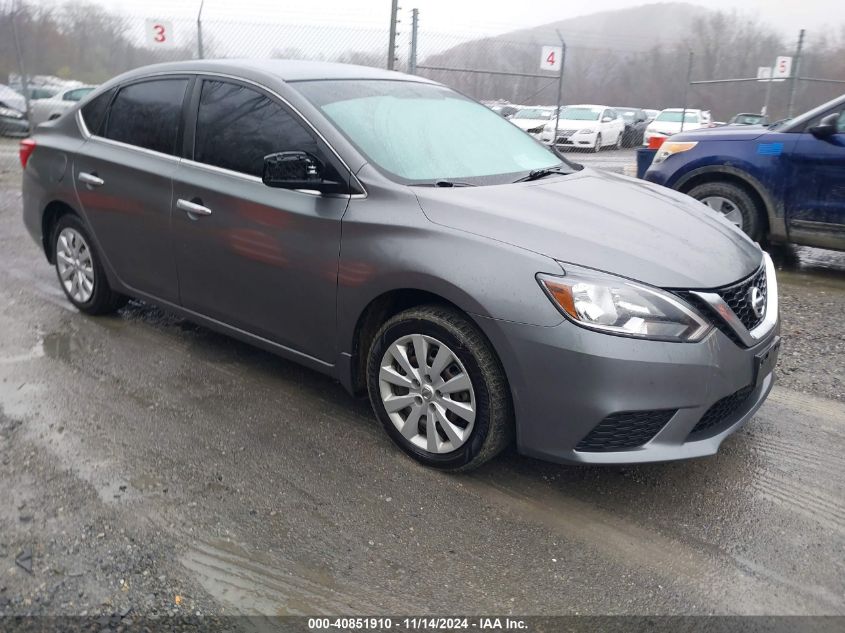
(424,133)
(675,117)
(533,113)
(580,114)
(629,115)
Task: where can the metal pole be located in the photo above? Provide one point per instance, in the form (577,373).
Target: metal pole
(768,91)
(415,23)
(559,86)
(19,55)
(200,51)
(796,68)
(391,44)
(686,91)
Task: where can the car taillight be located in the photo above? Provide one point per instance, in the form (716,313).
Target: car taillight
(26,148)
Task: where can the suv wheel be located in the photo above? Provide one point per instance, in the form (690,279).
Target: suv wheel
(438,389)
(734,203)
(80,272)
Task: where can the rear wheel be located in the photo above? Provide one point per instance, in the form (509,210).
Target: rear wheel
(734,203)
(79,269)
(438,389)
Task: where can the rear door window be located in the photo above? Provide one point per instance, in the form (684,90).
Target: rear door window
(238,126)
(147,114)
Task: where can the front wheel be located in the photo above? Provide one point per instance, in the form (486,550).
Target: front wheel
(438,389)
(597,146)
(734,203)
(79,269)
(619,140)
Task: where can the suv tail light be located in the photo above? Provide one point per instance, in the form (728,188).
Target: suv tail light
(26,148)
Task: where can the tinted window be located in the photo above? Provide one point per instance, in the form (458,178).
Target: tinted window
(237,127)
(94,111)
(147,114)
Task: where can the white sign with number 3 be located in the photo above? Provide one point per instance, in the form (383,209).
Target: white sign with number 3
(552,58)
(160,33)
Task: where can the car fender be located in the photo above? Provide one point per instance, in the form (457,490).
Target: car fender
(773,205)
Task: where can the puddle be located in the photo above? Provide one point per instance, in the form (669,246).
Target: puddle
(806,266)
(252,584)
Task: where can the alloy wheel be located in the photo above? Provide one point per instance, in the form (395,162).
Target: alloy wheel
(75,265)
(726,207)
(427,393)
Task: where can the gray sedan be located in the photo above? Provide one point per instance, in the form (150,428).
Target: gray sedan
(409,242)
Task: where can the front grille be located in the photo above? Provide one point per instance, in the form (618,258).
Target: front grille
(737,297)
(721,413)
(718,321)
(625,429)
(565,132)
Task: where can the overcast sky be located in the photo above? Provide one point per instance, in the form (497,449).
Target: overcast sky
(487,16)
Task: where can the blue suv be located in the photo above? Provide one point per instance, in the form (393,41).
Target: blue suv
(784,182)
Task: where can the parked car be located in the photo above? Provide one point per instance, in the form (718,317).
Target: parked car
(746,118)
(586,126)
(784,182)
(53,107)
(405,240)
(504,109)
(13,121)
(636,121)
(668,122)
(532,119)
(651,114)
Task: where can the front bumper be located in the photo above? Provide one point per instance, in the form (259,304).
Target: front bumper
(568,382)
(574,140)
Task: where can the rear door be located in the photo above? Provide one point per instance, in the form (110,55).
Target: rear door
(123,174)
(258,258)
(815,204)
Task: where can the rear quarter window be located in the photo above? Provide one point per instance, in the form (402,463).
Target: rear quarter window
(94,111)
(147,114)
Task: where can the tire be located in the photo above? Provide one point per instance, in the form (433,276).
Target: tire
(746,212)
(619,140)
(597,146)
(469,361)
(79,269)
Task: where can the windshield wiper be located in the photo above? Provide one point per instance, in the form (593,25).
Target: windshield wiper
(536,174)
(445,183)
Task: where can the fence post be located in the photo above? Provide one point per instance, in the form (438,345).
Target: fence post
(686,91)
(559,86)
(412,58)
(796,68)
(19,55)
(200,52)
(391,44)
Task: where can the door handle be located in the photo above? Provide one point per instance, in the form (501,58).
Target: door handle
(92,180)
(192,208)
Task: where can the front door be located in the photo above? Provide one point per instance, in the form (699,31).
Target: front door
(261,259)
(815,207)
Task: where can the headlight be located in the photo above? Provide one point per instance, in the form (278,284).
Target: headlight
(586,130)
(9,112)
(611,304)
(672,147)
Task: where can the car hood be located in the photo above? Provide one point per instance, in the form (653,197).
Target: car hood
(528,124)
(724,133)
(604,221)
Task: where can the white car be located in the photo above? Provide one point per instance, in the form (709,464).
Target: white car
(532,119)
(53,107)
(586,126)
(668,122)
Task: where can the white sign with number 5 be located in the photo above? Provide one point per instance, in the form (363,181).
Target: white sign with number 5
(552,58)
(160,33)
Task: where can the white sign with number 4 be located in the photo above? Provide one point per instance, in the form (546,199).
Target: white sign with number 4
(160,33)
(552,58)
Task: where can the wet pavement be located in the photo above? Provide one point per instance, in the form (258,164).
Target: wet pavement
(151,466)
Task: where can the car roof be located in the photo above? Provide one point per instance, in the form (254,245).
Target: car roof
(284,69)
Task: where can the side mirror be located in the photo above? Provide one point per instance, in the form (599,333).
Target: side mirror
(297,170)
(607,119)
(826,127)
